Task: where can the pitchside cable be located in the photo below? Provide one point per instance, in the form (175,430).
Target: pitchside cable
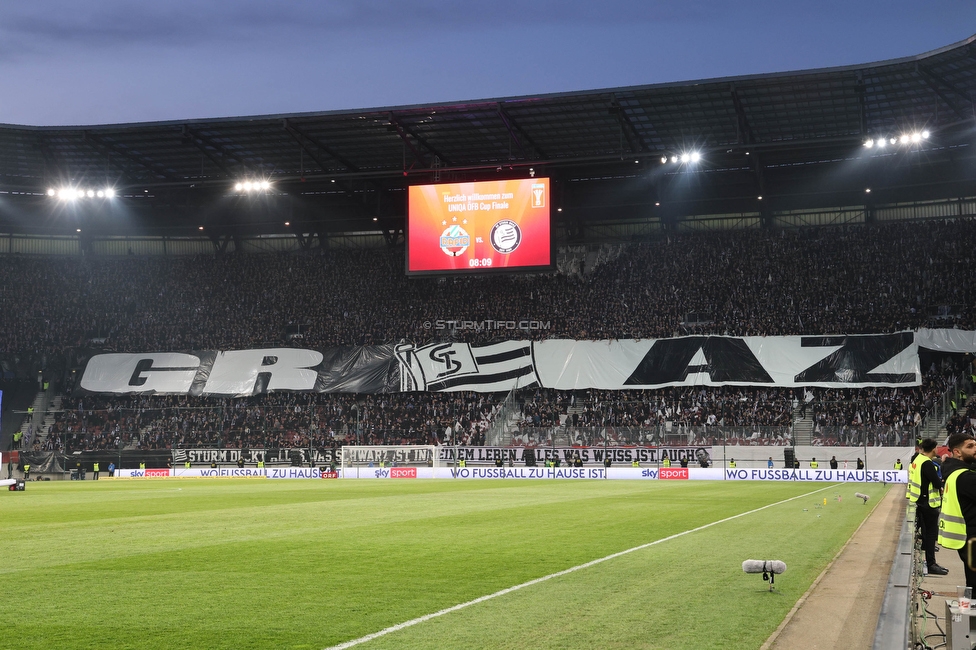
(427,617)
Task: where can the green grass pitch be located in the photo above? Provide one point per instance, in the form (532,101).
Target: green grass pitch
(253,563)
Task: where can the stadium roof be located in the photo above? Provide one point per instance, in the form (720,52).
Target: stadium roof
(795,138)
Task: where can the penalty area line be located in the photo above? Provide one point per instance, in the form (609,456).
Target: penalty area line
(579,567)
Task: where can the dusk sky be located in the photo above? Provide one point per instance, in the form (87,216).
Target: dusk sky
(108,61)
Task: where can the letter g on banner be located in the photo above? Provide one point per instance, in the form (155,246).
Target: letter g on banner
(162,372)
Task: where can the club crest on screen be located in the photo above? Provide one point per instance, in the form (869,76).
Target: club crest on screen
(505,236)
(454,240)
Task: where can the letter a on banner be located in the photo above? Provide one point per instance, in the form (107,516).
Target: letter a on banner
(723,359)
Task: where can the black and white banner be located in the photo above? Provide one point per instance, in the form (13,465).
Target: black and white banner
(784,361)
(460,366)
(845,361)
(238,373)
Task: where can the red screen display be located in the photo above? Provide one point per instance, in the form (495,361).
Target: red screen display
(483,226)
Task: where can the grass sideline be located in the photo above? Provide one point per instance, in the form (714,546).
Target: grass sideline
(311,564)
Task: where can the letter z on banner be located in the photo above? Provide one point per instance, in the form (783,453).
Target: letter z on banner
(461,366)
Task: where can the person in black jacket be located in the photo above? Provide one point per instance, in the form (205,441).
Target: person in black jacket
(927,515)
(963,449)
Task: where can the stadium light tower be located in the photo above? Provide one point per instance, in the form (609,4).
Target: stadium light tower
(252,186)
(68,193)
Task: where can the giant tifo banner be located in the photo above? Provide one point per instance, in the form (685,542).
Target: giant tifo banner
(844,361)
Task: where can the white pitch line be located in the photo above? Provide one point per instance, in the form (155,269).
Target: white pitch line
(427,617)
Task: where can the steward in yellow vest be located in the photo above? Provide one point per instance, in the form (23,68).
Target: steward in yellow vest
(666,462)
(731,463)
(814,464)
(957,523)
(898,464)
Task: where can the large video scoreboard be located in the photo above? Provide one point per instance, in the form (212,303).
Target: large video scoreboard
(479,227)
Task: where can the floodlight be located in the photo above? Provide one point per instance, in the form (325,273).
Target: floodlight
(892,141)
(695,156)
(239,187)
(79,194)
(881,143)
(247,186)
(867,190)
(91,194)
(109,192)
(674,159)
(904,138)
(200,228)
(50,191)
(916,137)
(100,193)
(759,197)
(685,157)
(869,143)
(925,135)
(63,194)
(265,185)
(664,159)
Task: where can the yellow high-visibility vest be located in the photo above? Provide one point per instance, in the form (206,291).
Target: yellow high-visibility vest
(952,525)
(666,462)
(915,482)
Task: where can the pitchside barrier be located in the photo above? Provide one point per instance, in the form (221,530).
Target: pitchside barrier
(533,473)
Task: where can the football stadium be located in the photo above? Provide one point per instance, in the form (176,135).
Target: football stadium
(640,367)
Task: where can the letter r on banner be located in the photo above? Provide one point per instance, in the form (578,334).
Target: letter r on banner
(238,372)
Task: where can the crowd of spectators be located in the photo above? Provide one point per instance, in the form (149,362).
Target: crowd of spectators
(862,279)
(732,414)
(277,420)
(693,415)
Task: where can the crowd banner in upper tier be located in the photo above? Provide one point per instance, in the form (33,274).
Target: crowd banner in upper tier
(842,361)
(945,340)
(784,361)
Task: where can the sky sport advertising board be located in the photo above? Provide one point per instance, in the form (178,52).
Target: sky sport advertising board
(479,227)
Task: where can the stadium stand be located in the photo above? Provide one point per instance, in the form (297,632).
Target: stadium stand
(865,279)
